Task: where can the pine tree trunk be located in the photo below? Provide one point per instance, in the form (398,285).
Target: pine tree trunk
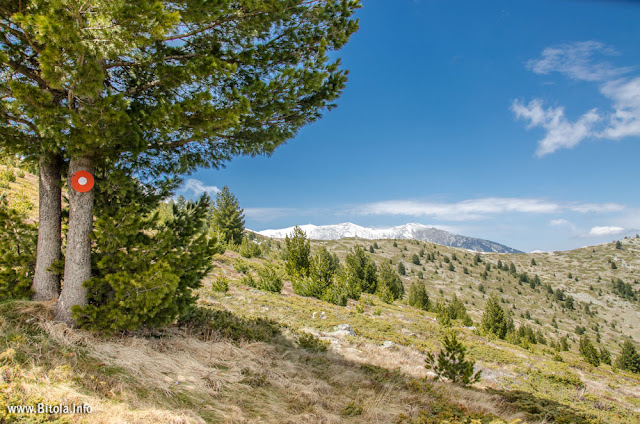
(77,265)
(46,284)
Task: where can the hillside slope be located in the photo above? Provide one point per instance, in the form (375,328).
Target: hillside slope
(252,359)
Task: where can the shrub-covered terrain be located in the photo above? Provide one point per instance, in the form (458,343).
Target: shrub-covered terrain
(341,331)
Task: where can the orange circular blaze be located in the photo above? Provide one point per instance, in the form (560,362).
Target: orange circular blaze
(82,181)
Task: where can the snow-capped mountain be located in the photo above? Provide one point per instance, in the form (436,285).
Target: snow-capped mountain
(407,231)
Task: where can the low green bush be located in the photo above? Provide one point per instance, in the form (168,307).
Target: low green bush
(269,280)
(220,285)
(310,342)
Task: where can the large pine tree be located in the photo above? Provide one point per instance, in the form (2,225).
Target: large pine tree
(168,85)
(227,217)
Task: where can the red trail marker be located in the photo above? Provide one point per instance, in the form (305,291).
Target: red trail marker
(82,181)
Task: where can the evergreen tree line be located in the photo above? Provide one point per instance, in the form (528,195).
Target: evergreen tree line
(324,277)
(496,322)
(624,290)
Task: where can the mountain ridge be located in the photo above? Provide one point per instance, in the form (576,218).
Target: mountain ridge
(411,231)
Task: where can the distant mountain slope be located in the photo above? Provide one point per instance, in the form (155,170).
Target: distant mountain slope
(407,231)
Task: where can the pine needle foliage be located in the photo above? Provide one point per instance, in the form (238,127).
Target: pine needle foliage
(494,320)
(418,297)
(588,351)
(361,271)
(389,284)
(227,217)
(144,271)
(629,358)
(450,363)
(17,252)
(298,253)
(269,280)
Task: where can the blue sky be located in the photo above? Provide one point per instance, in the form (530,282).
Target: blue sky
(514,121)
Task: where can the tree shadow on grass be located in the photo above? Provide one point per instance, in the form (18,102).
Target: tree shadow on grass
(205,323)
(541,410)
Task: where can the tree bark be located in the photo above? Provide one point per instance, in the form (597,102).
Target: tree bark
(77,265)
(46,284)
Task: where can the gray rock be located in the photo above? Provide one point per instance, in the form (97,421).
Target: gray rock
(343,330)
(388,344)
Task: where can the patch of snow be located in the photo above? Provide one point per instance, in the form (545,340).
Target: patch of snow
(412,231)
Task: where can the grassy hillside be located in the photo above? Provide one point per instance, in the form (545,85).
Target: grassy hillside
(20,188)
(258,356)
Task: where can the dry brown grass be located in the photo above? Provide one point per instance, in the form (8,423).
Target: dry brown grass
(178,378)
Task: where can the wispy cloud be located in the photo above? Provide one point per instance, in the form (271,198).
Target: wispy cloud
(625,121)
(561,133)
(578,61)
(477,209)
(196,188)
(558,222)
(583,61)
(606,231)
(595,207)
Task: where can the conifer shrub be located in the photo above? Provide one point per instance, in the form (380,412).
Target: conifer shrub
(248,280)
(384,293)
(494,320)
(8,175)
(360,272)
(220,285)
(443,317)
(298,253)
(418,297)
(322,281)
(467,321)
(390,285)
(588,351)
(241,266)
(227,218)
(308,287)
(310,342)
(336,293)
(17,252)
(144,270)
(402,270)
(629,358)
(269,280)
(249,249)
(450,362)
(605,355)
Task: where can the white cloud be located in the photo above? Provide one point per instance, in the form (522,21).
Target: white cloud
(625,121)
(197,188)
(606,231)
(561,133)
(558,222)
(596,207)
(578,61)
(476,209)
